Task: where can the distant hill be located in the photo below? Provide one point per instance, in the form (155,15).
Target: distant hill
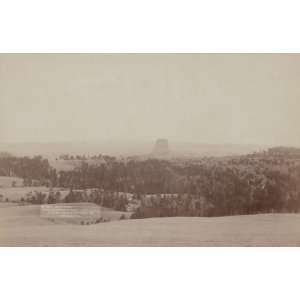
(126,148)
(292,152)
(218,150)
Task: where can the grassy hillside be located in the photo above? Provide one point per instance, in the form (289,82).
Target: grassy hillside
(22,226)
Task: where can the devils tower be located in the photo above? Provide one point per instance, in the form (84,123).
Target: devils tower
(161,148)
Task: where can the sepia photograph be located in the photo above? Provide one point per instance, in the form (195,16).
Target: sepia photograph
(149,150)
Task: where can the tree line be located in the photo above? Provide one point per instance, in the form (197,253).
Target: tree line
(30,169)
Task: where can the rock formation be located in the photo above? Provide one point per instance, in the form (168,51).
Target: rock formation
(161,148)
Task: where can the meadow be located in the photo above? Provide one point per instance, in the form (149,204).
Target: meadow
(23,226)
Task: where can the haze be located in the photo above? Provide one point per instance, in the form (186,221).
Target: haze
(201,98)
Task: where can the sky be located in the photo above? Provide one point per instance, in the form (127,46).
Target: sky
(202,98)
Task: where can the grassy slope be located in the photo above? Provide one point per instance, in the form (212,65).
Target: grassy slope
(23,226)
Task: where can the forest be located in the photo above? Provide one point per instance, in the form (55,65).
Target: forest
(258,183)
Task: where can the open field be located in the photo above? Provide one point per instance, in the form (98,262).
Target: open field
(22,226)
(76,213)
(69,165)
(64,165)
(6,181)
(14,194)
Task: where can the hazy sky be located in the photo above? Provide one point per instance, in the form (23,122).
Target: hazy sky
(184,97)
